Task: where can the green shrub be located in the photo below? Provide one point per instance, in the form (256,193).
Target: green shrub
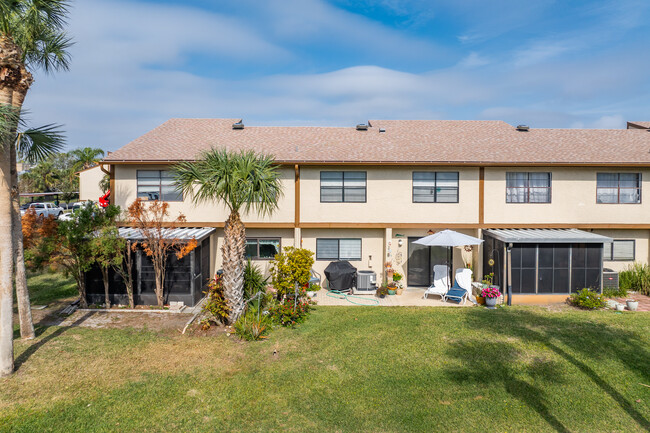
(290,267)
(254,280)
(610,292)
(216,303)
(289,312)
(588,299)
(253,326)
(635,278)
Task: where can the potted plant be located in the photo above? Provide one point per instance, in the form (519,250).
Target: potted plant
(397,278)
(313,289)
(491,294)
(632,304)
(382,291)
(392,288)
(479,299)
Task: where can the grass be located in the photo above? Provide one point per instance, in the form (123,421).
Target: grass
(48,287)
(346,369)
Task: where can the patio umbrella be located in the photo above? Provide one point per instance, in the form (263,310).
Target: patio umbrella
(448,238)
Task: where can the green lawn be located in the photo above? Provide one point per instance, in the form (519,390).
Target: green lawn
(347,369)
(48,287)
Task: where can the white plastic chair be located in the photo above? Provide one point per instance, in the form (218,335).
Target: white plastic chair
(440,284)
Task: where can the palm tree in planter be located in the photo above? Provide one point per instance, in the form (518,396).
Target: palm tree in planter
(242,181)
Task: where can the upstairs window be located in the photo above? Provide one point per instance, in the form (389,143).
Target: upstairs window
(618,188)
(343,186)
(435,187)
(158,185)
(528,187)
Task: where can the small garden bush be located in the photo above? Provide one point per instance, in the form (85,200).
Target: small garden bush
(635,278)
(253,326)
(290,267)
(216,303)
(610,292)
(254,280)
(290,312)
(588,299)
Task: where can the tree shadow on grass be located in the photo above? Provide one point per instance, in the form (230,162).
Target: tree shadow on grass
(37,344)
(570,338)
(500,363)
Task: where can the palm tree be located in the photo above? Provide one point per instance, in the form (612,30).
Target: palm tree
(243,181)
(31,37)
(86,157)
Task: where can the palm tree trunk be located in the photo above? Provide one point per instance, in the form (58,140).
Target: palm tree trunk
(6,267)
(22,292)
(234,249)
(10,62)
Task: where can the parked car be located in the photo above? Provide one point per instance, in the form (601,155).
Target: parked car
(74,206)
(45,209)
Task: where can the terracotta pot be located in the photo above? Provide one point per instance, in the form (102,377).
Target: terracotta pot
(399,291)
(480,300)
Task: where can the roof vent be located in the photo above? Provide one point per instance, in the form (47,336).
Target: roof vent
(238,125)
(362,127)
(382,129)
(522,128)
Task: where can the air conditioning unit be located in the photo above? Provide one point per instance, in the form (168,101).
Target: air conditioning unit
(366,283)
(610,279)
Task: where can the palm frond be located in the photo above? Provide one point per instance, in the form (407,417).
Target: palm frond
(36,144)
(37,27)
(241,180)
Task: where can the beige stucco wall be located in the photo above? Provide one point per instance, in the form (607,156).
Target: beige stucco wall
(389,198)
(126,193)
(89,184)
(573,199)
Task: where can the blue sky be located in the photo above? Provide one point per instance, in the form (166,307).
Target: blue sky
(551,64)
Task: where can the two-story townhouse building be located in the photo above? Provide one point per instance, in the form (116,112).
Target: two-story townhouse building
(365,193)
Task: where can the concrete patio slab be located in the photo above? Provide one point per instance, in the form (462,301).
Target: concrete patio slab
(410,297)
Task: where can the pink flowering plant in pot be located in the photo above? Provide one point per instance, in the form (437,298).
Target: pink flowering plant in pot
(490,294)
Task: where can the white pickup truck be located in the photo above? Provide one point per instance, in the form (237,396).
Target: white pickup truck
(45,209)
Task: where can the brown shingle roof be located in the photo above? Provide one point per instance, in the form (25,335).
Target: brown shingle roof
(404,141)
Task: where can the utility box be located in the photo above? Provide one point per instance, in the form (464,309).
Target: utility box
(366,283)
